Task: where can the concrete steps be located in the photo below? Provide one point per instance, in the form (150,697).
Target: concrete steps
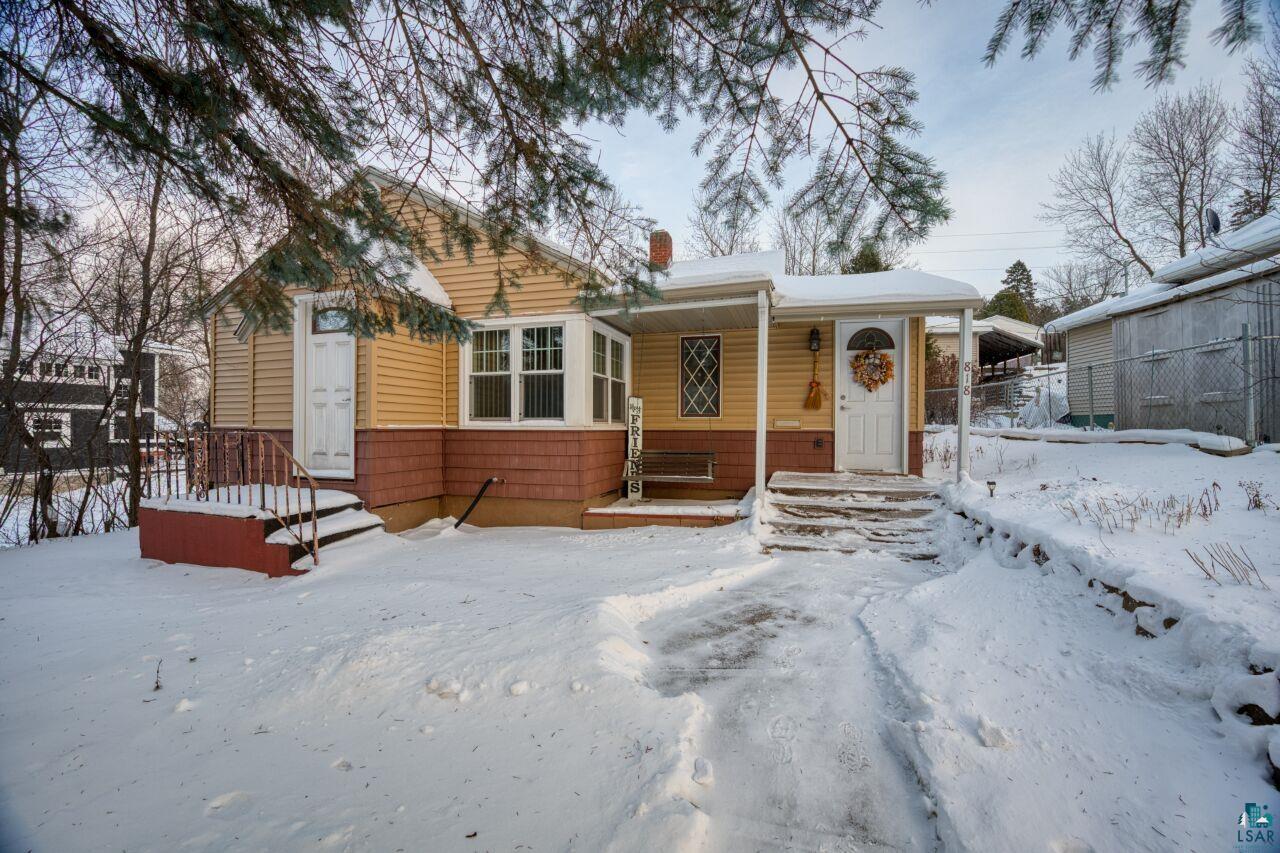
(849,513)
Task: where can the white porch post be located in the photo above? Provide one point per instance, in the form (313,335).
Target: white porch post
(964,392)
(762,387)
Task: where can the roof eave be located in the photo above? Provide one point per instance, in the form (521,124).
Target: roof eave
(912,307)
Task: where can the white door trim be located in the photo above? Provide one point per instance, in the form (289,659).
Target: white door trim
(902,373)
(303,305)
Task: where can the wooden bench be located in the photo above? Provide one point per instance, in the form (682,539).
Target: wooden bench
(672,466)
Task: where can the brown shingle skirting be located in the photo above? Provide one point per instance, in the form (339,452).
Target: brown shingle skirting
(786,450)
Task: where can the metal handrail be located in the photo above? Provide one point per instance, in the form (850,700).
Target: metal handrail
(221,466)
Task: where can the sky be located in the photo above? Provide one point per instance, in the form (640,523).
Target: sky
(999,133)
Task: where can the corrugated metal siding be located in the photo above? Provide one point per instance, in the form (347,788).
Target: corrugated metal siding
(230,392)
(1091,344)
(655,376)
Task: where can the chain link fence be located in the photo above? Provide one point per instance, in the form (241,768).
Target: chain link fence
(1227,386)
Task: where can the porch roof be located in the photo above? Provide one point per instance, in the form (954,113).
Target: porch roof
(721,293)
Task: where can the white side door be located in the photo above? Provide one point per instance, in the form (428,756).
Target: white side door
(869,433)
(329,442)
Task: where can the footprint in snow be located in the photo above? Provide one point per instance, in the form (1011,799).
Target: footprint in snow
(783,728)
(703,773)
(341,764)
(519,688)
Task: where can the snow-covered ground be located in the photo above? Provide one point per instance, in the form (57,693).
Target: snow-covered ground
(664,688)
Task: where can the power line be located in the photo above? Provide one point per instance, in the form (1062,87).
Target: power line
(992,249)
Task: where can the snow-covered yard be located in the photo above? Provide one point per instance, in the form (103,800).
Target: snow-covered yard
(667,688)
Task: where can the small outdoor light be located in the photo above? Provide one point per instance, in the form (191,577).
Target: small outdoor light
(991,486)
(815,339)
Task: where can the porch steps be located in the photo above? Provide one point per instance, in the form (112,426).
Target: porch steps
(849,513)
(331,526)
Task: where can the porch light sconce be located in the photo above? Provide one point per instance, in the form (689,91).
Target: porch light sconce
(815,339)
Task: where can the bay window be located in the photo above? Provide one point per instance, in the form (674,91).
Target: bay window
(533,372)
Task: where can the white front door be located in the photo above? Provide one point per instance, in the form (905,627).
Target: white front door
(329,420)
(869,433)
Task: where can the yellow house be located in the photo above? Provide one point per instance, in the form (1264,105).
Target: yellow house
(538,399)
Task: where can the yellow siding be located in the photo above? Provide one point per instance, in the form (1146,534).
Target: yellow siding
(656,377)
(364,372)
(410,381)
(265,368)
(471,285)
(273,381)
(230,392)
(253,381)
(451,383)
(916,374)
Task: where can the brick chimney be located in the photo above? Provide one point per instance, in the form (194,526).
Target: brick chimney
(660,249)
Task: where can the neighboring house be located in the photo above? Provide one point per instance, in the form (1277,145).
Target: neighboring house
(538,397)
(998,340)
(1168,355)
(66,388)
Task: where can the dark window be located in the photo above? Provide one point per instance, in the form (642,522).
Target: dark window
(617,381)
(700,376)
(48,429)
(491,374)
(599,377)
(542,373)
(870,338)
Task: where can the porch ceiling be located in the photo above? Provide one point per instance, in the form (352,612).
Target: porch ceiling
(738,312)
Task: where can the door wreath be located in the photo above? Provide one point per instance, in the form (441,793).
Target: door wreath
(872,368)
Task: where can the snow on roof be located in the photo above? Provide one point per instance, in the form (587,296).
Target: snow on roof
(817,291)
(1027,332)
(726,269)
(893,286)
(422,281)
(1106,308)
(1245,245)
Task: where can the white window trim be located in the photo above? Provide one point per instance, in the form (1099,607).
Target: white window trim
(36,362)
(611,335)
(64,417)
(515,363)
(577,372)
